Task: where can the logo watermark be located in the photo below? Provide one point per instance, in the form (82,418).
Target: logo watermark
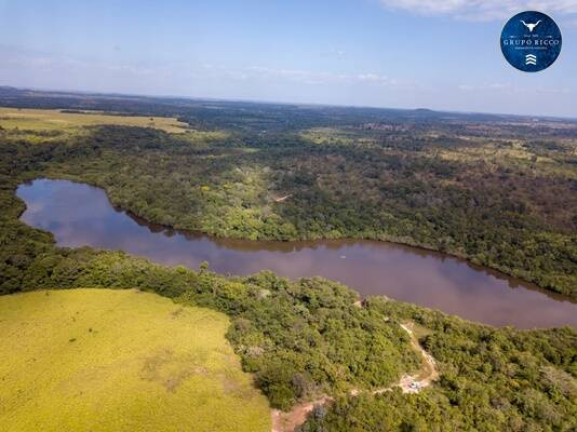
(531,41)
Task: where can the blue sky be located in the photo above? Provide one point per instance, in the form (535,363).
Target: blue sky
(441,54)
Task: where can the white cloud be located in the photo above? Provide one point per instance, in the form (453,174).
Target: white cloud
(39,69)
(319,78)
(483,9)
(511,89)
(295,75)
(374,78)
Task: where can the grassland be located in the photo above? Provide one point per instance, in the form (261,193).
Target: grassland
(47,120)
(103,360)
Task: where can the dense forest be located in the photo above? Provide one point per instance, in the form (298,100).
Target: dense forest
(507,201)
(492,380)
(501,194)
(306,338)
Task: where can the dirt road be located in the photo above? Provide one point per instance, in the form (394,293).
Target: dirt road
(289,421)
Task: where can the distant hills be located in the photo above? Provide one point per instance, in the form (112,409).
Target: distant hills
(220,113)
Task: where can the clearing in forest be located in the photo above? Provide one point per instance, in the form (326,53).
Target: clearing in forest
(46,120)
(106,360)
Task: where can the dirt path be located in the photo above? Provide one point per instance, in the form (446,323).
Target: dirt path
(282,199)
(428,372)
(289,421)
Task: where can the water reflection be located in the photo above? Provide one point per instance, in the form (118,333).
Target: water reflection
(79,214)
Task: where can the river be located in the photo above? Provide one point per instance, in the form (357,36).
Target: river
(78,214)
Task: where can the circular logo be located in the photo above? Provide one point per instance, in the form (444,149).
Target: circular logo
(531,41)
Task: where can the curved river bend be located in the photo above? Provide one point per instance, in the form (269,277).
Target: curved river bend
(78,214)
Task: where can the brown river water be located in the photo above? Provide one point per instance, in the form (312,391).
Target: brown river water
(78,214)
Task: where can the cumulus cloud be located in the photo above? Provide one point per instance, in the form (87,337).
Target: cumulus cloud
(38,69)
(317,78)
(483,9)
(511,89)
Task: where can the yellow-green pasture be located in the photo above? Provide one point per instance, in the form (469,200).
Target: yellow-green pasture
(55,120)
(104,360)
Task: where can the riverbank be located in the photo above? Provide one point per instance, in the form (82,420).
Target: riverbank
(78,215)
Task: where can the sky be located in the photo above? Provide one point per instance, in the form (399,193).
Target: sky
(437,54)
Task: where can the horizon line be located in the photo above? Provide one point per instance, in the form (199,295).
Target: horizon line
(282,103)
